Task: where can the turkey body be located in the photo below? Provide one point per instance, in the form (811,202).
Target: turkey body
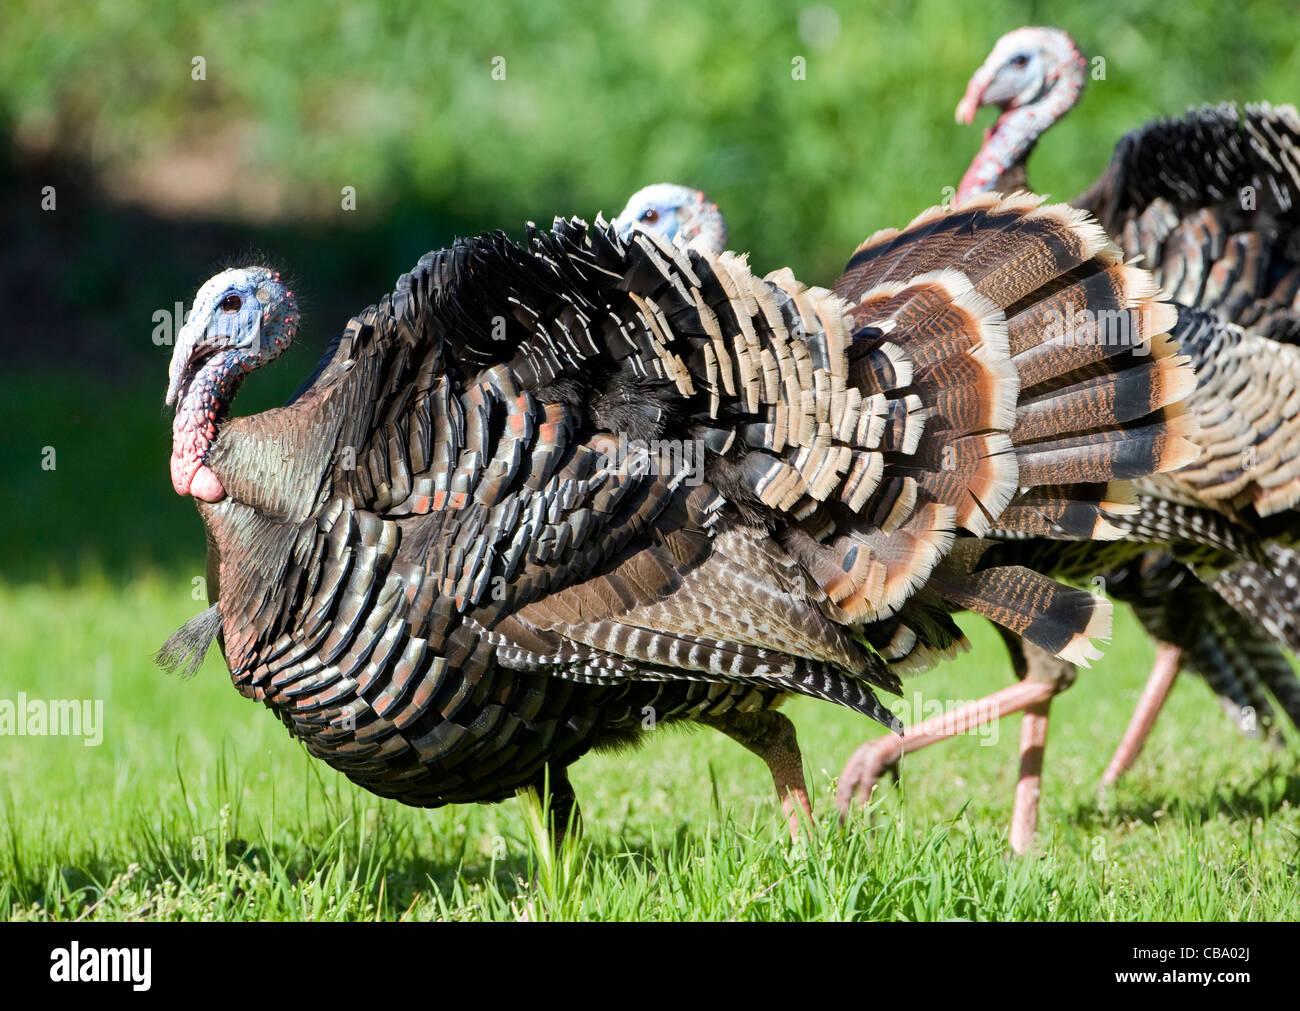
(451,565)
(1211,202)
(420,713)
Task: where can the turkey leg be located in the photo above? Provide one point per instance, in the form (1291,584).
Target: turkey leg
(1044,677)
(1157,688)
(771,737)
(563,812)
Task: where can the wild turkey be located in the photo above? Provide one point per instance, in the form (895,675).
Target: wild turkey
(439,567)
(1211,201)
(1208,201)
(1190,513)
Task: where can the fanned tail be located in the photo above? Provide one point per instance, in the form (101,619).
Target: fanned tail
(868,437)
(1047,380)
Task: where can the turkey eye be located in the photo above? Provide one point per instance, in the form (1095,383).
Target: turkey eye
(231,303)
(1019,60)
(650,216)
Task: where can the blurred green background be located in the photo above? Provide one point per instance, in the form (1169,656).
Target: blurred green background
(161,178)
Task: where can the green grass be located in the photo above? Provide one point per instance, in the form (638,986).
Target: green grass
(398,100)
(197,805)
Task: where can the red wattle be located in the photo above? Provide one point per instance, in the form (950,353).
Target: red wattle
(207,486)
(190,477)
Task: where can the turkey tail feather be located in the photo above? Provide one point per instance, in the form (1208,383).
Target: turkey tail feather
(1042,315)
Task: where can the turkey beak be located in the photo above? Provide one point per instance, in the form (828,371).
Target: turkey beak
(974,97)
(186,344)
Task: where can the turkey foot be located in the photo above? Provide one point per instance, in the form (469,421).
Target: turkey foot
(1152,700)
(1044,677)
(872,759)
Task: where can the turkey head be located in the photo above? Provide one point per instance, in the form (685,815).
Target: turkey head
(241,319)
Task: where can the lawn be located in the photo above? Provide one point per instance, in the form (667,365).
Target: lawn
(197,805)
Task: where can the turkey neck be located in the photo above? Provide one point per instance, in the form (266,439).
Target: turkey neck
(203,406)
(1000,163)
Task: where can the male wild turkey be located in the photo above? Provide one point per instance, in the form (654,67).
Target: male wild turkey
(1208,201)
(1211,201)
(460,557)
(1238,658)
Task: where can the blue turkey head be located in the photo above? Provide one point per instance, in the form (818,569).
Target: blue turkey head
(678,214)
(1022,67)
(241,319)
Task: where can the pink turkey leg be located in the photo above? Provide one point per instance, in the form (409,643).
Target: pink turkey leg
(1033,744)
(871,759)
(1160,681)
